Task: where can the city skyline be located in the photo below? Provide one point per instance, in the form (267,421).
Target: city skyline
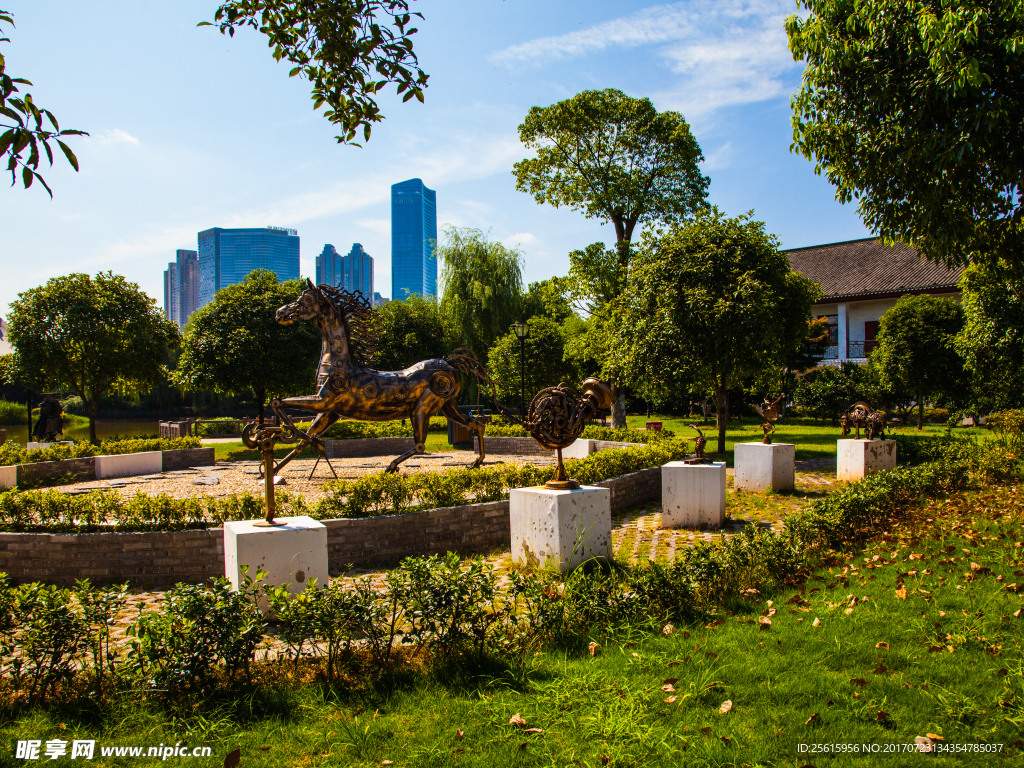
(181,286)
(413,239)
(228,255)
(352,271)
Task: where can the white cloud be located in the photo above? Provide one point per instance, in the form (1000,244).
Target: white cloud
(520,238)
(380,226)
(719,158)
(727,52)
(116,136)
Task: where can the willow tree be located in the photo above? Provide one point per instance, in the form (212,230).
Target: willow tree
(481,288)
(709,305)
(617,159)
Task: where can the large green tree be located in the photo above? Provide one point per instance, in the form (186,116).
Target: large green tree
(482,288)
(410,330)
(22,134)
(916,348)
(915,108)
(708,305)
(615,158)
(349,50)
(543,353)
(992,339)
(235,345)
(92,335)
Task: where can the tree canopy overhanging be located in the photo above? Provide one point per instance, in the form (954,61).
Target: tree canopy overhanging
(916,111)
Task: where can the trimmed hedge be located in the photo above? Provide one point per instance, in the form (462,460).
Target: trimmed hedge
(15,453)
(371,495)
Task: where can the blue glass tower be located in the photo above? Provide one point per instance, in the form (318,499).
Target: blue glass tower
(353,271)
(226,256)
(413,239)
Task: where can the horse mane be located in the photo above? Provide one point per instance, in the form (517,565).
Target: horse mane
(359,319)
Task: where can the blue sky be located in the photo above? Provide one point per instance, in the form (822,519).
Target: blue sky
(191,129)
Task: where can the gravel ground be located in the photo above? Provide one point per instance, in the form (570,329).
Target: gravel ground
(226,478)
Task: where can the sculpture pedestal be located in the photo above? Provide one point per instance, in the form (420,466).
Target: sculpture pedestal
(761,467)
(692,495)
(129,464)
(560,529)
(9,476)
(34,446)
(291,554)
(856,459)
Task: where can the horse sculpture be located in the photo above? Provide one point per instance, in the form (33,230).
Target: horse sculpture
(347,388)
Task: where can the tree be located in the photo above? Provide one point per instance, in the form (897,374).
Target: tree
(916,348)
(410,330)
(341,47)
(24,130)
(544,355)
(992,339)
(708,305)
(916,109)
(547,299)
(235,345)
(482,288)
(617,159)
(828,391)
(614,158)
(91,335)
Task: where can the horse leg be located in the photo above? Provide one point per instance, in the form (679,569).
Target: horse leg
(455,414)
(420,421)
(321,423)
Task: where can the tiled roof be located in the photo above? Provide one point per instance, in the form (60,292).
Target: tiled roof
(867,268)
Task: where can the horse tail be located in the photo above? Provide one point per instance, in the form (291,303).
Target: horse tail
(464,361)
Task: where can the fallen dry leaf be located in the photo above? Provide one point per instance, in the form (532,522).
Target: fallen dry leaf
(459,734)
(671,699)
(883,645)
(816,623)
(534,730)
(726,707)
(670,681)
(766,623)
(901,593)
(924,744)
(668,688)
(880,669)
(686,635)
(517,720)
(232,758)
(935,737)
(811,719)
(605,759)
(593,648)
(858,681)
(882,716)
(668,629)
(705,730)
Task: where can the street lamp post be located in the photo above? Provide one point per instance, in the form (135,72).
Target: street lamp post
(522,331)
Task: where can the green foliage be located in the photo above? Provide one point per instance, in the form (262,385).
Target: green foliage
(234,344)
(482,288)
(829,390)
(915,110)
(13,413)
(15,453)
(410,330)
(547,298)
(544,351)
(992,339)
(916,350)
(340,46)
(179,649)
(1009,429)
(614,158)
(709,305)
(24,127)
(91,335)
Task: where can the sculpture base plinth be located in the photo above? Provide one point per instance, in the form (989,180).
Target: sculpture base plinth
(692,495)
(856,459)
(560,528)
(761,467)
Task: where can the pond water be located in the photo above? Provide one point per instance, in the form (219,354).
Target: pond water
(18,432)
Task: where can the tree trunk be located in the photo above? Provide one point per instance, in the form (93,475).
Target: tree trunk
(722,416)
(920,412)
(618,408)
(93,408)
(29,414)
(260,397)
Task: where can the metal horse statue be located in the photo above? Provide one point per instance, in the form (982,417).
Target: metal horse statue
(348,388)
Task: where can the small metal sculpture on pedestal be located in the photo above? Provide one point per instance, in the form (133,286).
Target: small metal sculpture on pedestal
(698,447)
(860,414)
(556,418)
(770,412)
(51,422)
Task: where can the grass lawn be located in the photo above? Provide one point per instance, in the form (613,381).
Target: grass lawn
(918,633)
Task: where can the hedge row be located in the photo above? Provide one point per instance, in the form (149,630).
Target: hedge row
(15,453)
(377,494)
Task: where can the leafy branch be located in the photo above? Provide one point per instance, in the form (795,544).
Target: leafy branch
(342,47)
(24,130)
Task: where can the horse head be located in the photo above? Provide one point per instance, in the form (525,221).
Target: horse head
(307,307)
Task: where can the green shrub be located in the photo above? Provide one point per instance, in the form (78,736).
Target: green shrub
(15,453)
(13,413)
(1009,428)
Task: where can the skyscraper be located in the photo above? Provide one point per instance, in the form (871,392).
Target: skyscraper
(353,271)
(413,239)
(226,256)
(181,287)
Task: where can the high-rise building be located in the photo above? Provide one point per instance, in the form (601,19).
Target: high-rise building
(181,287)
(227,256)
(413,239)
(353,271)
(378,300)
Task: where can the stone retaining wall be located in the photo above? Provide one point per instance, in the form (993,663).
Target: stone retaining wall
(521,446)
(78,470)
(161,559)
(184,458)
(364,447)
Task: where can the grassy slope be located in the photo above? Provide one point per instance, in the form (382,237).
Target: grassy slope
(953,667)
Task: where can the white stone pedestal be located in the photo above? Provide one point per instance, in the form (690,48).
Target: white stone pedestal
(692,495)
(761,467)
(291,554)
(129,464)
(9,476)
(560,529)
(856,459)
(34,446)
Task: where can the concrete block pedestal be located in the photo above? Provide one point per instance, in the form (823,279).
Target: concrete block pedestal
(9,476)
(129,464)
(291,554)
(560,529)
(856,459)
(692,495)
(761,467)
